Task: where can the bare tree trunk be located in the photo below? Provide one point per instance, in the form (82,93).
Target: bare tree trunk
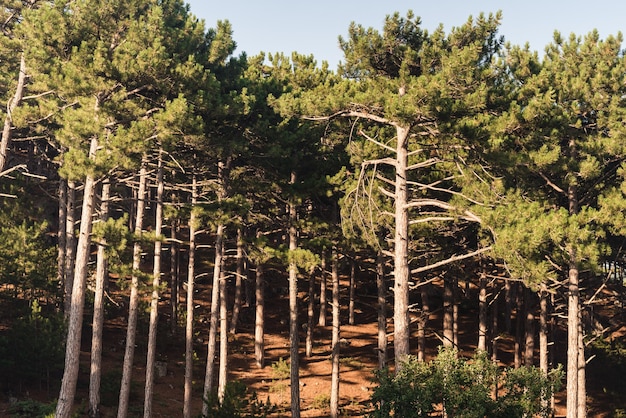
(72,348)
(519,326)
(482,312)
(448,315)
(494,327)
(422,323)
(508,306)
(322,318)
(223,364)
(62,233)
(294,339)
(174,275)
(351,291)
(401,250)
(14,102)
(156,283)
(70,246)
(529,329)
(191,279)
(543,330)
(95,374)
(382,310)
(334,386)
(259,320)
(239,274)
(582,383)
(310,315)
(214,316)
(133,305)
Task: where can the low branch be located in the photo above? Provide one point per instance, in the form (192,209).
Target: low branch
(450,260)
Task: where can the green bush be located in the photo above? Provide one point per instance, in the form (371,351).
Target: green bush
(462,388)
(32,409)
(238,402)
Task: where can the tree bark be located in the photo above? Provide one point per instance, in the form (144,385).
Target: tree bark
(543,330)
(482,312)
(323,303)
(70,246)
(223,363)
(401,250)
(422,323)
(239,274)
(519,325)
(382,310)
(310,315)
(14,102)
(133,304)
(352,288)
(62,232)
(174,275)
(448,314)
(334,386)
(154,301)
(72,348)
(191,272)
(294,339)
(259,319)
(529,329)
(95,374)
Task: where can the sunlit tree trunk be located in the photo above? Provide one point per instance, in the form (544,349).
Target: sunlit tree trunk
(482,313)
(62,233)
(223,364)
(77,303)
(95,374)
(422,323)
(154,301)
(133,304)
(334,388)
(322,317)
(529,329)
(259,319)
(239,274)
(191,279)
(294,339)
(382,310)
(70,246)
(352,288)
(14,102)
(310,315)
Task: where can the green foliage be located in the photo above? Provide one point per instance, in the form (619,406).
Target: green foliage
(32,409)
(463,388)
(238,402)
(33,349)
(280,369)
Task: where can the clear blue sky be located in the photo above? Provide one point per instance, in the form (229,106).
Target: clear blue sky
(312,27)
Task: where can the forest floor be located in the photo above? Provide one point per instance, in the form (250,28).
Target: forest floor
(358,361)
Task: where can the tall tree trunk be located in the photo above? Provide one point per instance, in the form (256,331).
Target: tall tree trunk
(75,323)
(508,306)
(519,325)
(334,386)
(294,339)
(174,275)
(455,311)
(382,310)
(259,319)
(70,246)
(95,374)
(133,304)
(352,288)
(529,329)
(154,301)
(422,323)
(448,314)
(494,326)
(543,330)
(223,363)
(401,330)
(14,102)
(310,315)
(62,232)
(214,316)
(239,274)
(582,381)
(191,273)
(322,318)
(482,312)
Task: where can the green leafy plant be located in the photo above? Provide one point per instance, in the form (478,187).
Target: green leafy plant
(238,402)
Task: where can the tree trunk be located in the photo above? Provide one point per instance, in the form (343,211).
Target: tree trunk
(382,310)
(75,323)
(322,318)
(62,233)
(401,250)
(310,317)
(455,311)
(529,329)
(98,310)
(351,291)
(214,315)
(239,274)
(448,315)
(70,246)
(191,273)
(494,327)
(508,306)
(294,340)
(334,386)
(133,304)
(519,325)
(174,275)
(482,312)
(582,381)
(422,323)
(543,330)
(156,283)
(223,364)
(259,319)
(14,102)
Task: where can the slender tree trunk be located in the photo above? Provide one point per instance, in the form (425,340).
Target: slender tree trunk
(448,315)
(62,233)
(191,273)
(14,102)
(401,330)
(422,323)
(239,274)
(529,329)
(75,323)
(351,291)
(214,316)
(543,330)
(382,310)
(494,327)
(294,339)
(154,301)
(98,310)
(508,306)
(519,325)
(334,386)
(174,275)
(310,315)
(322,318)
(259,320)
(223,365)
(582,381)
(455,311)
(133,304)
(482,312)
(70,246)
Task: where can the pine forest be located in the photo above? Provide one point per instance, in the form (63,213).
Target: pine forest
(434,228)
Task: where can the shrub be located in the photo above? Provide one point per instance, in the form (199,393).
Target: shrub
(238,402)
